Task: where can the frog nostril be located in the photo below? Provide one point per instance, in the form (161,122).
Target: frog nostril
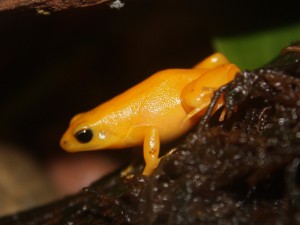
(63,143)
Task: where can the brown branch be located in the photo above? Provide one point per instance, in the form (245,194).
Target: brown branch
(46,6)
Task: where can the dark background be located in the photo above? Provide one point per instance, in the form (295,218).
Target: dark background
(52,67)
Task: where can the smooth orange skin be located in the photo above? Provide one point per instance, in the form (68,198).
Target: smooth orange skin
(159,109)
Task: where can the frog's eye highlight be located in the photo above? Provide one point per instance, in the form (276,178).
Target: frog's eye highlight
(84,136)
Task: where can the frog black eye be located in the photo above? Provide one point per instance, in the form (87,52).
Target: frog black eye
(84,136)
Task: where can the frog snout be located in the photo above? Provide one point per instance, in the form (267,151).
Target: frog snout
(63,143)
(67,145)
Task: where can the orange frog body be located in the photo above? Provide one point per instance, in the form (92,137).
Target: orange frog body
(159,109)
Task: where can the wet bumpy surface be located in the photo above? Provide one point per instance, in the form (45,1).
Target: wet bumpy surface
(243,170)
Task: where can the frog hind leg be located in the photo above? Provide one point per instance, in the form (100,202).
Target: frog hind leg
(197,95)
(213,61)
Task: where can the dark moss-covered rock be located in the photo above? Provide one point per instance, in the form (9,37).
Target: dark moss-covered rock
(242,170)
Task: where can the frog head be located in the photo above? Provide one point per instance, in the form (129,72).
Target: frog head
(89,132)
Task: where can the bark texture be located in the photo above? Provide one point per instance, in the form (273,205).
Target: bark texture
(48,5)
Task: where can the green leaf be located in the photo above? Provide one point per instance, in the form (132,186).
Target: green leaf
(253,50)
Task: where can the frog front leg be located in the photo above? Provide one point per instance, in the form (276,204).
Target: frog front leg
(196,96)
(148,136)
(151,150)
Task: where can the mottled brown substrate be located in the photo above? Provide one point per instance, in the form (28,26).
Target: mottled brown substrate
(47,6)
(243,170)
